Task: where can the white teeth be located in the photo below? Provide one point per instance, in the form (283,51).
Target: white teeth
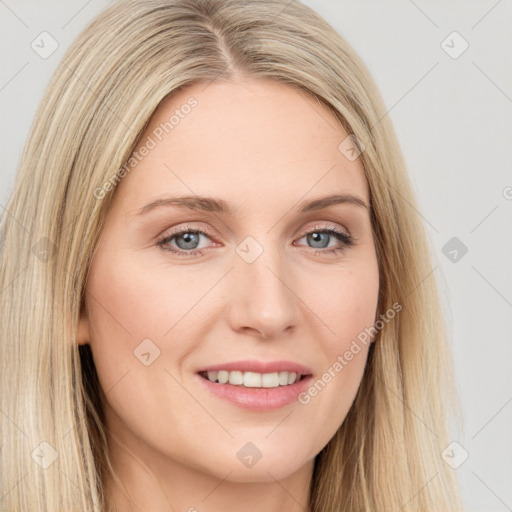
(253,379)
(270,380)
(291,377)
(223,377)
(236,378)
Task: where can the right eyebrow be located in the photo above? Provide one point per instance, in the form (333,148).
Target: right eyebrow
(206,204)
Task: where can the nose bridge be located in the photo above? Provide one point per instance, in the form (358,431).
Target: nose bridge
(262,294)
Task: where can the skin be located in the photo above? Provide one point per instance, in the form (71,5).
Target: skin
(265,147)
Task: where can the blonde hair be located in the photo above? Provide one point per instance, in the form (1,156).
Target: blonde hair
(386,456)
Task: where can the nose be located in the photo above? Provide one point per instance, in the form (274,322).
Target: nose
(262,298)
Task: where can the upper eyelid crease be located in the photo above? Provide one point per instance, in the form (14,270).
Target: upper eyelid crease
(213,205)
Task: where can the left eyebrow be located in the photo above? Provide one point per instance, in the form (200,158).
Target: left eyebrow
(214,205)
(325,202)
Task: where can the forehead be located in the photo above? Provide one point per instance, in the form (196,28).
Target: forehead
(246,141)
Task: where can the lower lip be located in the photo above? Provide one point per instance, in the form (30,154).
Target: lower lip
(258,399)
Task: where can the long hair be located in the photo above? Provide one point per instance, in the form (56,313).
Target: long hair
(386,455)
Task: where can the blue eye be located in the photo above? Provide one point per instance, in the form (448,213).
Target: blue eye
(320,239)
(186,242)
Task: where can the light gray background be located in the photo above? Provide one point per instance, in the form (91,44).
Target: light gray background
(453,117)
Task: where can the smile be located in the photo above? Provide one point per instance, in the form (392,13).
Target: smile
(256,385)
(252,379)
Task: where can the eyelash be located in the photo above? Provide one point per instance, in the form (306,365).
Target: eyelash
(346,240)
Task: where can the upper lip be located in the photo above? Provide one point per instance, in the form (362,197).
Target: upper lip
(259,367)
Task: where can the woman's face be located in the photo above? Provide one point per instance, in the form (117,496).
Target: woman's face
(254,277)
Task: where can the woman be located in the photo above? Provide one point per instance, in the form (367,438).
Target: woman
(216,292)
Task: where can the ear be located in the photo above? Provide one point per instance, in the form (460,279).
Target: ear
(83,332)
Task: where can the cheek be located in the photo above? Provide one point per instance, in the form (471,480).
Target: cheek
(130,311)
(346,302)
(129,301)
(125,310)
(139,329)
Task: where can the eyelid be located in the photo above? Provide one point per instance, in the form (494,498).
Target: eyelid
(165,238)
(185,228)
(328,225)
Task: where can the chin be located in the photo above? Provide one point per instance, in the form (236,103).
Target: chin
(267,469)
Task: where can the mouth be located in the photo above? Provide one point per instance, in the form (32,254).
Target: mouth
(256,386)
(253,379)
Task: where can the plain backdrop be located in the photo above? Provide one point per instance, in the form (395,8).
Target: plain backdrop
(444,70)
